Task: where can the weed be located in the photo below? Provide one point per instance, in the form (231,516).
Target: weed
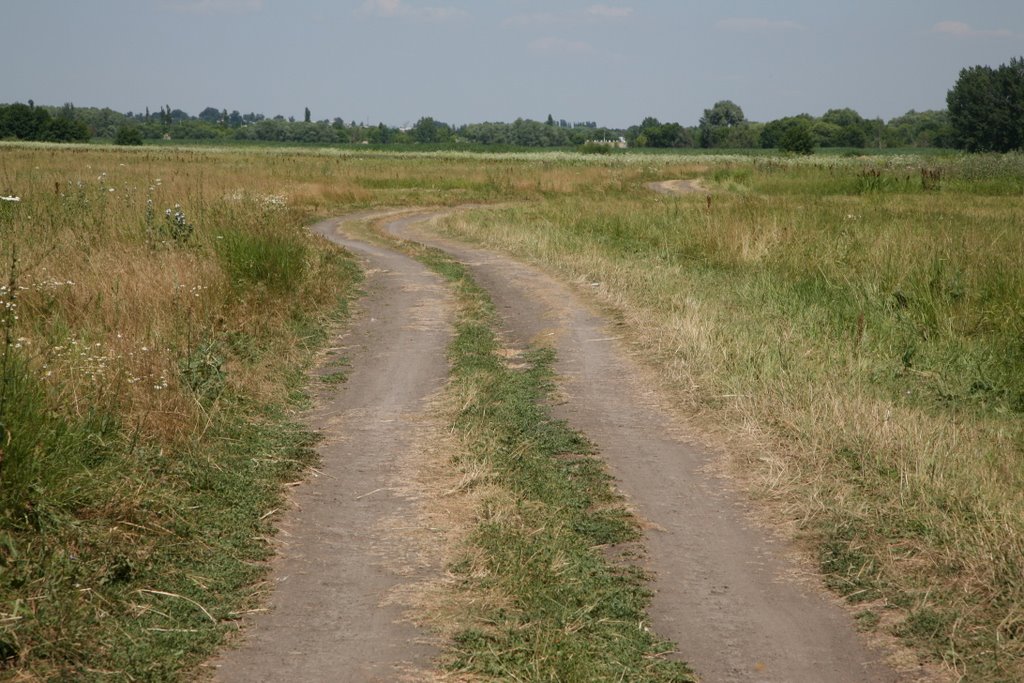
(273,261)
(867,620)
(334,378)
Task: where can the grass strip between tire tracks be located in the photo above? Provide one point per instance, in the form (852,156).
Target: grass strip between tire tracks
(569,612)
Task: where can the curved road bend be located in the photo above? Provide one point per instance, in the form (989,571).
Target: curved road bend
(724,591)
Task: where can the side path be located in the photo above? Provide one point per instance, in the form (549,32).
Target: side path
(723,590)
(340,558)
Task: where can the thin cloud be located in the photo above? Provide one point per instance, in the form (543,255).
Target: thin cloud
(757,25)
(398,9)
(550,45)
(962,30)
(215,6)
(553,47)
(609,12)
(592,13)
(535,19)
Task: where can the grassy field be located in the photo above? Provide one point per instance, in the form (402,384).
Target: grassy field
(852,331)
(848,329)
(158,313)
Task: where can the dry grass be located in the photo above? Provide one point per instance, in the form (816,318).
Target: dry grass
(145,399)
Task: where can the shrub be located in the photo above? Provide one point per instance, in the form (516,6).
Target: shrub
(798,139)
(595,148)
(128,135)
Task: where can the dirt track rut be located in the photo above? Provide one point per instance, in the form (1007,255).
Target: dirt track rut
(331,616)
(724,591)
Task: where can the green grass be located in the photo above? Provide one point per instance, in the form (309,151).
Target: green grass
(570,614)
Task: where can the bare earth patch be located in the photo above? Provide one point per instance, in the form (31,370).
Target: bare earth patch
(677,187)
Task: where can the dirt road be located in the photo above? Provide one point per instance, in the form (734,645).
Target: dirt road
(725,592)
(331,617)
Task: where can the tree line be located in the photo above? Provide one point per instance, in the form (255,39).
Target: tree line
(29,122)
(985,112)
(722,126)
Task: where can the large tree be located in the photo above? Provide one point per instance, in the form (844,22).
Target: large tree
(428,130)
(654,133)
(210,115)
(775,131)
(717,121)
(851,129)
(986,108)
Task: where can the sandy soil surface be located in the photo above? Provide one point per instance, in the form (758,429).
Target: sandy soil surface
(676,187)
(729,594)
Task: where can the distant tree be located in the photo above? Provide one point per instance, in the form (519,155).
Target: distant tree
(24,122)
(716,121)
(428,130)
(381,134)
(65,128)
(986,108)
(774,131)
(723,113)
(919,129)
(653,133)
(798,138)
(235,119)
(551,120)
(128,135)
(827,134)
(340,131)
(850,131)
(306,119)
(210,115)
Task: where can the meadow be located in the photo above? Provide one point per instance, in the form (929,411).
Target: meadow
(846,331)
(849,332)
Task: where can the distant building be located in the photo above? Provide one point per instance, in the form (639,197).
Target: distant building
(617,144)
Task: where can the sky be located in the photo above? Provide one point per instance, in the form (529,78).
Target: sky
(394,61)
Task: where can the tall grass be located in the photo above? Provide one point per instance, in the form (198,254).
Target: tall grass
(147,392)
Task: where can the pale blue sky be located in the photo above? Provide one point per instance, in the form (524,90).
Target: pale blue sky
(613,62)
